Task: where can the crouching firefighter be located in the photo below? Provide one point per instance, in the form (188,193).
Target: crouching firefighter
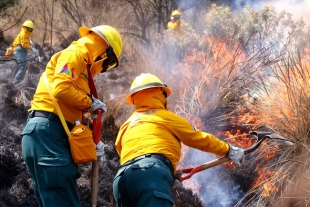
(149,146)
(45,144)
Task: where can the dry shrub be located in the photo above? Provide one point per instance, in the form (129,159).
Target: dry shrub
(286,111)
(220,22)
(241,66)
(234,72)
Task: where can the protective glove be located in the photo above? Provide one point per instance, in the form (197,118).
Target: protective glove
(95,106)
(236,155)
(99,149)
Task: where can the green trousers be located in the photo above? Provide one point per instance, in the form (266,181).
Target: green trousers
(144,183)
(46,151)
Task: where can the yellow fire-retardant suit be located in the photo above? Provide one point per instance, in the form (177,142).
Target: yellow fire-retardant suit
(67,71)
(21,46)
(23,39)
(149,146)
(45,145)
(158,130)
(175,20)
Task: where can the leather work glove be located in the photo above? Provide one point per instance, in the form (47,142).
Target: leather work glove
(100,149)
(236,155)
(95,106)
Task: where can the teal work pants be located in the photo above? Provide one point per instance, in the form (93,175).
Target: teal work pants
(143,183)
(46,151)
(21,58)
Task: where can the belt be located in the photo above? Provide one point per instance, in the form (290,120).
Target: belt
(50,116)
(160,157)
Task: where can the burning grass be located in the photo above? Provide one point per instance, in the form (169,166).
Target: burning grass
(286,110)
(245,75)
(242,73)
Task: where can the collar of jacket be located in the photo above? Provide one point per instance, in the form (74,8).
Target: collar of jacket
(151,98)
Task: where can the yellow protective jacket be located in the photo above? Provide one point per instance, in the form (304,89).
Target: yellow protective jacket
(174,25)
(23,39)
(68,78)
(154,129)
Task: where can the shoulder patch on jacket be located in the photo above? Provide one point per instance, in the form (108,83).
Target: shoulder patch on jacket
(70,72)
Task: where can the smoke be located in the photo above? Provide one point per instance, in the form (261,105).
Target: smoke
(298,8)
(217,188)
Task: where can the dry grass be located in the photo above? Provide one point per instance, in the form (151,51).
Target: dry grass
(286,111)
(220,83)
(240,68)
(24,96)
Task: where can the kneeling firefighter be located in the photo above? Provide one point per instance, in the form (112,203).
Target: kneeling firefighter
(45,145)
(149,146)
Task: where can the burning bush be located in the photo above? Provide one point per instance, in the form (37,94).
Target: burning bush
(232,77)
(245,72)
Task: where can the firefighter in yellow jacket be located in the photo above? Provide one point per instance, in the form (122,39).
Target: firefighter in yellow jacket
(45,143)
(21,45)
(175,20)
(149,146)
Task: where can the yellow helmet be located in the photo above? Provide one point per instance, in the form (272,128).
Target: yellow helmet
(176,13)
(29,24)
(145,81)
(110,35)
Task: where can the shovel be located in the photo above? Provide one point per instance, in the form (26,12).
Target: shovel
(261,136)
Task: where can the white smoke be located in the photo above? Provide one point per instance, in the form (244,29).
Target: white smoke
(216,187)
(298,8)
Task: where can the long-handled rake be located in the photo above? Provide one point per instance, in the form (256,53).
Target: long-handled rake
(261,136)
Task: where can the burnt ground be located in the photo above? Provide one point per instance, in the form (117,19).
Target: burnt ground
(15,183)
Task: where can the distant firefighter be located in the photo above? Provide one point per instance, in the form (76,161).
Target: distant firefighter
(175,22)
(21,44)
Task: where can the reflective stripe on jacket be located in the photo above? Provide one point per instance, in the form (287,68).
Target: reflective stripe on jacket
(154,129)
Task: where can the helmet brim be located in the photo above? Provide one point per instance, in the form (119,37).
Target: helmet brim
(129,100)
(84,31)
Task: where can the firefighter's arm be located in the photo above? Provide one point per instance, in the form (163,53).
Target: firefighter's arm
(67,85)
(193,137)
